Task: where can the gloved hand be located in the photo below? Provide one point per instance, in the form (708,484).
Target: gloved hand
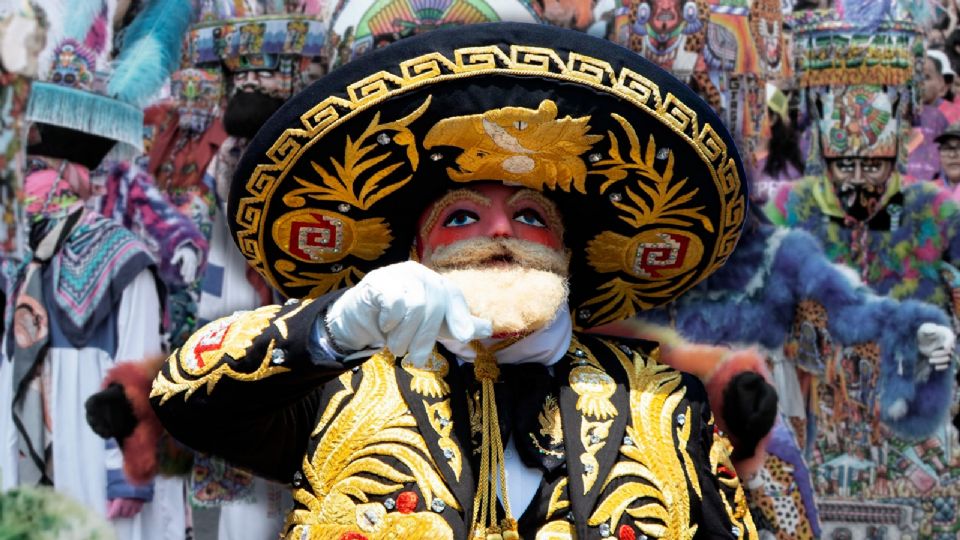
(405,307)
(749,410)
(123,508)
(110,414)
(936,342)
(185,257)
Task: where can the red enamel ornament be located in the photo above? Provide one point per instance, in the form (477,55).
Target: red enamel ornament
(625,532)
(407,502)
(353,536)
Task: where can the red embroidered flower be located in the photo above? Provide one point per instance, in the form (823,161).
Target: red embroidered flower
(726,472)
(352,536)
(407,502)
(625,532)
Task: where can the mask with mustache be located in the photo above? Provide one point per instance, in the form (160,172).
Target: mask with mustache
(860,201)
(247,112)
(517,285)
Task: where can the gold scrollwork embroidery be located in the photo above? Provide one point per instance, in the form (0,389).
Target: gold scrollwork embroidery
(557,530)
(655,449)
(593,435)
(557,503)
(167,388)
(441,420)
(429,379)
(723,470)
(370,448)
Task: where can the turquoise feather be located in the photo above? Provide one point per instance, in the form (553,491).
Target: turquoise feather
(150,51)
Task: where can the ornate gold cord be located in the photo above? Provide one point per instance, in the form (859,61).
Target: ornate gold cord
(484,526)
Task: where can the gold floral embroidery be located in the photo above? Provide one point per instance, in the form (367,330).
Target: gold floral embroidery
(428,380)
(556,503)
(551,427)
(532,147)
(593,435)
(340,186)
(659,503)
(355,460)
(321,282)
(441,420)
(334,404)
(557,530)
(394,525)
(593,386)
(167,388)
(281,322)
(230,336)
(739,512)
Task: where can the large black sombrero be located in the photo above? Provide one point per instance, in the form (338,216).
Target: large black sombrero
(648,180)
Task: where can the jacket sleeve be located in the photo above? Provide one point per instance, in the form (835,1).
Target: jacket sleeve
(246,387)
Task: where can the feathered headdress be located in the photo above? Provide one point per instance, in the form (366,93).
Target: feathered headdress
(88,92)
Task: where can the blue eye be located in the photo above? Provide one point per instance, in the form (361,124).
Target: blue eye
(529,216)
(460,218)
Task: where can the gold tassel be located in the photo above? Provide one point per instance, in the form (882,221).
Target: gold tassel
(493,475)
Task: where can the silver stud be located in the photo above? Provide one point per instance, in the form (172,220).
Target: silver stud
(627,441)
(616,197)
(579,353)
(448,453)
(383,138)
(588,468)
(389,503)
(297,479)
(681,419)
(278,356)
(305,532)
(336,267)
(735,531)
(344,207)
(625,349)
(436,156)
(663,153)
(570,516)
(584,314)
(372,517)
(594,439)
(642,537)
(291,301)
(444,421)
(605,530)
(595,157)
(438,505)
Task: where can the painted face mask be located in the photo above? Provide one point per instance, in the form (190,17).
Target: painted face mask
(198,93)
(860,184)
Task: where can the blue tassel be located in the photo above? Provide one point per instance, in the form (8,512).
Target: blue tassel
(86,112)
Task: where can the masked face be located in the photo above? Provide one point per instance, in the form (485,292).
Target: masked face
(860,184)
(198,95)
(21,40)
(502,246)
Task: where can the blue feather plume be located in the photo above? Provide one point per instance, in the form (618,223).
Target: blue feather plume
(150,51)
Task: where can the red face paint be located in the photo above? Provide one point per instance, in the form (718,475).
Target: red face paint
(493,211)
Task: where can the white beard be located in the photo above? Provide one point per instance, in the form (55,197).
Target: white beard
(514,299)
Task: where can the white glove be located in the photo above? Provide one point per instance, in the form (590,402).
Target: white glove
(186,258)
(936,342)
(404,307)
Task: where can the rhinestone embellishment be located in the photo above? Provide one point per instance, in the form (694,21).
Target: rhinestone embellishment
(436,156)
(595,157)
(438,505)
(663,153)
(681,419)
(389,503)
(605,530)
(615,197)
(278,356)
(344,207)
(383,138)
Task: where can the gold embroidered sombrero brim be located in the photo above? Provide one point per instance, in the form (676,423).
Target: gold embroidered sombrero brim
(647,179)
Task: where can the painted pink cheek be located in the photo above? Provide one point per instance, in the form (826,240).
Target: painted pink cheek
(541,236)
(442,236)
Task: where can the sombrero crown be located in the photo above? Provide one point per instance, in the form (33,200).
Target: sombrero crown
(646,177)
